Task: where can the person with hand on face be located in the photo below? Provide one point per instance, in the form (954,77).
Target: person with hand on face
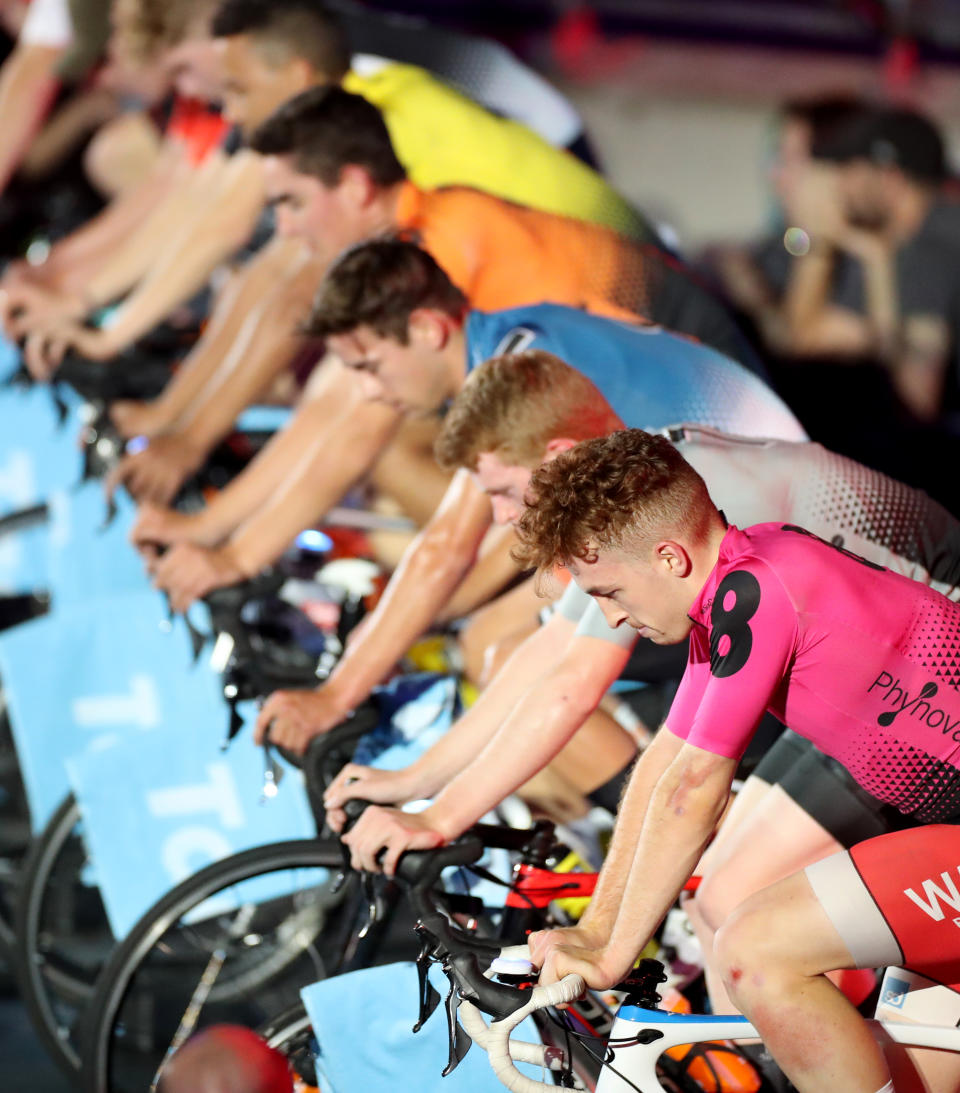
(781,620)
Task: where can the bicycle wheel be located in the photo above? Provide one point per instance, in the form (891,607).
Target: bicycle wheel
(234,943)
(63,935)
(14,833)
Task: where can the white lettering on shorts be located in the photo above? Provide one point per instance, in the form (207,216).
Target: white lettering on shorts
(934,894)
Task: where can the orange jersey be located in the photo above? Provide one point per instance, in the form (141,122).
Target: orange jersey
(504,255)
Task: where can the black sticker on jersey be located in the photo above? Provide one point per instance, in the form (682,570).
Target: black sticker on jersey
(731,639)
(838,546)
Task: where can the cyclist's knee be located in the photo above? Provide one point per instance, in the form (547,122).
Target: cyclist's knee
(718,896)
(748,955)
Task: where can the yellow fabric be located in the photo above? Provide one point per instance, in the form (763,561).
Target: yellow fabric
(443,138)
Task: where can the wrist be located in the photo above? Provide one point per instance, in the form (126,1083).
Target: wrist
(234,562)
(441,819)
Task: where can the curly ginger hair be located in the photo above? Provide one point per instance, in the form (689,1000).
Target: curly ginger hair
(626,490)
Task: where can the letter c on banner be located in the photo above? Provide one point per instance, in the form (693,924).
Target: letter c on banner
(192,848)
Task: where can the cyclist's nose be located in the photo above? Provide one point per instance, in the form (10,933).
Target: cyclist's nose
(505,510)
(612,613)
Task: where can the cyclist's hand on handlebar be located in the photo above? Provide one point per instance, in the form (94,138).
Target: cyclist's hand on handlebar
(596,967)
(187,572)
(157,472)
(294,718)
(383,787)
(42,355)
(544,942)
(381,835)
(156,524)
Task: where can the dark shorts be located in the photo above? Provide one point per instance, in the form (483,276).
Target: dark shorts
(825,790)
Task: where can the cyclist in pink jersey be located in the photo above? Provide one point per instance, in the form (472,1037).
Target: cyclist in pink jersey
(858,659)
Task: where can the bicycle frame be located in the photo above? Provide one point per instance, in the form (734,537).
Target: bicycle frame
(647,1033)
(640,1036)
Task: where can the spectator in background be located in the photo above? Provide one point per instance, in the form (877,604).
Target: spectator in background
(753,275)
(862,307)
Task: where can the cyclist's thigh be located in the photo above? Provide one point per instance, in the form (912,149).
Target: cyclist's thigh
(776,839)
(911,877)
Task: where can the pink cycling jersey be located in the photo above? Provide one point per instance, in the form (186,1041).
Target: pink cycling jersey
(862,661)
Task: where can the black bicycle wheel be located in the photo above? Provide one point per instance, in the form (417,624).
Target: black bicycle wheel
(234,943)
(63,935)
(14,833)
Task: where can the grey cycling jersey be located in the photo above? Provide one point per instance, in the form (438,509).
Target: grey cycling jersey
(757,481)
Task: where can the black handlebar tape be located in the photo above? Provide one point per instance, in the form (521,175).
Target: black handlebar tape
(231,600)
(496,999)
(364,719)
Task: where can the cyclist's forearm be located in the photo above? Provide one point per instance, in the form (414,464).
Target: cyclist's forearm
(185,264)
(684,808)
(601,914)
(331,465)
(74,261)
(137,246)
(202,372)
(431,568)
(266,343)
(492,573)
(28,86)
(458,749)
(545,717)
(244,374)
(276,464)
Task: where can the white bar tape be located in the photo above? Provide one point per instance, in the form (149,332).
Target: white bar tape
(502,1051)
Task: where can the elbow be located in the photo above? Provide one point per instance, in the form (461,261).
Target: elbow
(442,550)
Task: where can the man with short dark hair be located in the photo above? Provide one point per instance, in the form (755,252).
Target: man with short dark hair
(860,660)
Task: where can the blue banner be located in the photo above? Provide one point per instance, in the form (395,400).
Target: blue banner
(93,669)
(88,557)
(37,456)
(157,807)
(345,1008)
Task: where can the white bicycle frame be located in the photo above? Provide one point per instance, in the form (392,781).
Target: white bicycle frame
(638,1037)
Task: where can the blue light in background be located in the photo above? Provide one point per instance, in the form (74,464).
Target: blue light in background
(314,540)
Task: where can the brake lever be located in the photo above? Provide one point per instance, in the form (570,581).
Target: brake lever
(429,995)
(272,774)
(458,1041)
(373,903)
(59,404)
(197,639)
(234,725)
(109,515)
